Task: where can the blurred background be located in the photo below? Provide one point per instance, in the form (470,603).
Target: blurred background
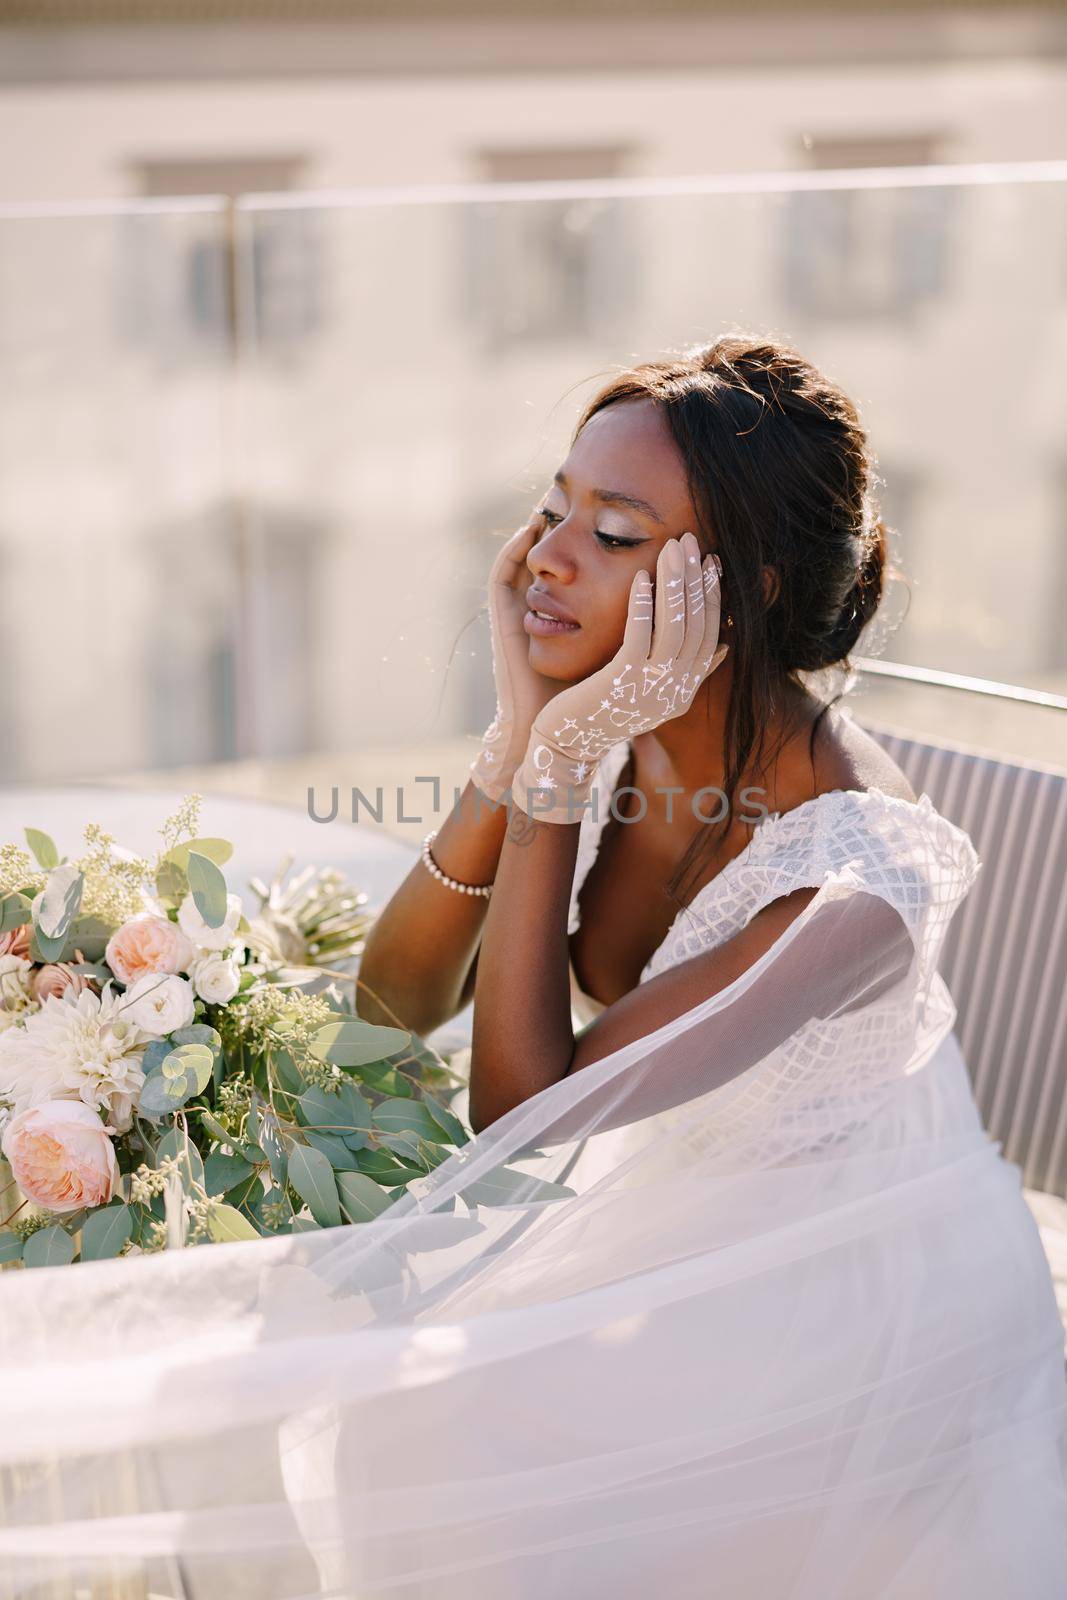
(299,303)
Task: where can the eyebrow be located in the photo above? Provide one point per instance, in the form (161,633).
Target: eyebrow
(615,497)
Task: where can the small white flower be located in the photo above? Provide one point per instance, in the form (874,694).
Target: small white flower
(159,1003)
(198,931)
(216,978)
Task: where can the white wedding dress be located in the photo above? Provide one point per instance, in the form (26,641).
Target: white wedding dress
(751,1307)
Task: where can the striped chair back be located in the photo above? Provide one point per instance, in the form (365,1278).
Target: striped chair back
(1005,954)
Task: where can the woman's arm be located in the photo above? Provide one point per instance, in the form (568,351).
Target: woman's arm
(419,952)
(853,953)
(522,1039)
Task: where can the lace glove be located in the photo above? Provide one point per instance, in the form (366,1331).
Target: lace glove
(668,649)
(520,691)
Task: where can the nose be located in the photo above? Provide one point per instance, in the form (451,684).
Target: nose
(553,554)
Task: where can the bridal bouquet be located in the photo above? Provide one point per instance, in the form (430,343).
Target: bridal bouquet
(169,1075)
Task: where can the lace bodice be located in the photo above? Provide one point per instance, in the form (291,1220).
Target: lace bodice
(903,850)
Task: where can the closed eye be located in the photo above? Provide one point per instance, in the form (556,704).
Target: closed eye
(610,541)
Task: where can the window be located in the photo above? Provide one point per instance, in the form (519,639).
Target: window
(866,252)
(540,269)
(182,292)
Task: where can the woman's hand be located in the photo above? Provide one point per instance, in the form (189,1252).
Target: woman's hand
(520,691)
(668,649)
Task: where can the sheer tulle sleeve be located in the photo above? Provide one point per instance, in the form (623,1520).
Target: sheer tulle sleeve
(844,1001)
(717,1303)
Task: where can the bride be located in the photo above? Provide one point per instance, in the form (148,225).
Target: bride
(730,1293)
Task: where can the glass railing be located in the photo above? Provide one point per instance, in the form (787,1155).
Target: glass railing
(256,456)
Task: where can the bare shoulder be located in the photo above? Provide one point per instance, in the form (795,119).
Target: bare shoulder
(848,757)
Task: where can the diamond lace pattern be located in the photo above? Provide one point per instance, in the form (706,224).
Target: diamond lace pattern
(903,851)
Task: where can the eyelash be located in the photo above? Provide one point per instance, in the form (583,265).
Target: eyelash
(609,540)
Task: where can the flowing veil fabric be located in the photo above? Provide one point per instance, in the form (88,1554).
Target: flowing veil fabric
(751,1306)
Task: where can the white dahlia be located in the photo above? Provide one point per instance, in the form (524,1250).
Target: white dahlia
(75,1047)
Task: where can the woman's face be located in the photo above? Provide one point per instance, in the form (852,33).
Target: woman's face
(584,562)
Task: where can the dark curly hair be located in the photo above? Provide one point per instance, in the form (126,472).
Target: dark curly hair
(780,468)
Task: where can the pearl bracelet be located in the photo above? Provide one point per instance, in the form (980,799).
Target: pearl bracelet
(485,890)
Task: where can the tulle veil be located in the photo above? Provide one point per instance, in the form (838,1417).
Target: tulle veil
(750,1306)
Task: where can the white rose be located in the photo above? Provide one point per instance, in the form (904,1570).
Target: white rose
(216,979)
(158,1003)
(14,980)
(200,933)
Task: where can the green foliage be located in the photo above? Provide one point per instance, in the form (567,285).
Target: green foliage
(10,1248)
(218,851)
(226,1225)
(104,1232)
(49,1247)
(312,1177)
(43,847)
(14,911)
(361,1198)
(174,1078)
(222,1172)
(352,1043)
(208,888)
(58,902)
(507,1186)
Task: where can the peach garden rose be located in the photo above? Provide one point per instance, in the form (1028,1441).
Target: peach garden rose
(61,1156)
(148,944)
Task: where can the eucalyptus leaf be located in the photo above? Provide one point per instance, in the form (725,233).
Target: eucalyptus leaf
(86,933)
(408,1147)
(199,1033)
(245,1194)
(155,1053)
(161,1096)
(361,1198)
(304,1225)
(190,1162)
(217,850)
(43,847)
(286,1073)
(507,1186)
(384,1079)
(222,1172)
(337,1153)
(354,1043)
(319,1109)
(10,1248)
(105,1232)
(384,1168)
(15,911)
(49,1247)
(346,1112)
(208,888)
(172,885)
(58,902)
(453,1127)
(409,1116)
(91,969)
(227,1225)
(192,1060)
(312,1177)
(214,1127)
(263,1130)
